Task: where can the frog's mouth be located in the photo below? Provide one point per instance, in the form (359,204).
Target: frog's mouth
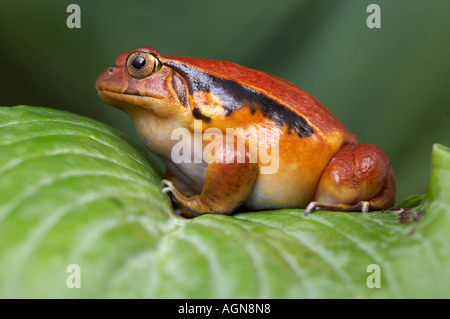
(126,101)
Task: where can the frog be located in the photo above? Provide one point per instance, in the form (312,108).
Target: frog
(320,164)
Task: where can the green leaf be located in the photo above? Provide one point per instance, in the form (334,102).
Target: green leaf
(74,191)
(412,201)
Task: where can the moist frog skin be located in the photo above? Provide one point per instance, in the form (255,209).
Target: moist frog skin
(321,165)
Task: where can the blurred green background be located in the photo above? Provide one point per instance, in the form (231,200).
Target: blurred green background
(389,86)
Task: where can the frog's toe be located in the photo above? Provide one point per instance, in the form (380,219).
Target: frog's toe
(361,206)
(169,185)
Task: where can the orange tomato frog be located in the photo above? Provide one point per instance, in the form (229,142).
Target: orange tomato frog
(233,136)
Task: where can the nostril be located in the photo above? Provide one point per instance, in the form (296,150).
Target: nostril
(110,70)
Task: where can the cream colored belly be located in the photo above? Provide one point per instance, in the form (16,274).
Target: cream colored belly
(289,188)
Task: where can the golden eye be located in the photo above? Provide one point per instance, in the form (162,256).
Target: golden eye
(141,65)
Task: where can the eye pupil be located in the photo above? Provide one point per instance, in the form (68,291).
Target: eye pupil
(138,62)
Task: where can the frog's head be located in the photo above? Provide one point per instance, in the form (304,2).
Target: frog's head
(140,83)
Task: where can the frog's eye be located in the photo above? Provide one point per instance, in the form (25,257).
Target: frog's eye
(142,64)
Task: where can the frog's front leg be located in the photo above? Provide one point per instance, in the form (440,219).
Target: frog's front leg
(358,178)
(229,180)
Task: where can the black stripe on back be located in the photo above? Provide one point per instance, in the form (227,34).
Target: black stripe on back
(235,95)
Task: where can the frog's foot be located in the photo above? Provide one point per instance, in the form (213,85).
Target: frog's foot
(179,209)
(189,205)
(362,206)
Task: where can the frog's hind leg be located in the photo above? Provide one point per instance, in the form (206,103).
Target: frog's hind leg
(358,178)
